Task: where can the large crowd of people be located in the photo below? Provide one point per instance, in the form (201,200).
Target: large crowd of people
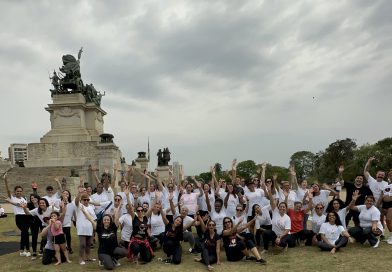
(244,217)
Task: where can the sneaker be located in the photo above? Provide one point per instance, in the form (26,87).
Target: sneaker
(70,251)
(262,261)
(116,263)
(28,254)
(82,263)
(194,251)
(40,253)
(168,261)
(389,241)
(376,245)
(100,263)
(22,254)
(251,258)
(34,256)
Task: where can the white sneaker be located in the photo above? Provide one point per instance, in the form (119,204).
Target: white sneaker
(23,254)
(28,254)
(389,241)
(376,245)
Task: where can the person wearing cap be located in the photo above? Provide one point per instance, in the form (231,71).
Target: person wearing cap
(54,198)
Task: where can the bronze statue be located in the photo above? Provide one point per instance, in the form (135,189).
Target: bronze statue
(71,82)
(163,157)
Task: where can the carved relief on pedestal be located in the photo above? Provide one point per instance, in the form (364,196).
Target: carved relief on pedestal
(66,112)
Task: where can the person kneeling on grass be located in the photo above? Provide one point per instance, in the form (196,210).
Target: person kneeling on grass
(333,235)
(109,251)
(172,238)
(49,252)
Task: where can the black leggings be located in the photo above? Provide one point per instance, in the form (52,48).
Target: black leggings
(35,227)
(145,254)
(23,223)
(173,249)
(67,233)
(270,236)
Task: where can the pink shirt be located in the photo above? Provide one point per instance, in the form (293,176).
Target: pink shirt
(190,201)
(56,232)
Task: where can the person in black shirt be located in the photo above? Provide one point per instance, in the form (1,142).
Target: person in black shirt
(139,243)
(171,240)
(363,191)
(109,251)
(211,243)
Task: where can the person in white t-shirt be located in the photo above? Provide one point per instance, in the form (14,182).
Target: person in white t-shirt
(281,225)
(22,220)
(369,221)
(377,184)
(321,196)
(387,205)
(333,235)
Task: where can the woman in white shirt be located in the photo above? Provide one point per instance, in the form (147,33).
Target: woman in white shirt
(22,220)
(157,226)
(84,226)
(318,218)
(333,235)
(281,225)
(369,221)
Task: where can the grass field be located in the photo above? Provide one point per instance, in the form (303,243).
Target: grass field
(354,257)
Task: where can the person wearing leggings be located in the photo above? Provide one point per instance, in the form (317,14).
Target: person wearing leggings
(21,219)
(35,225)
(172,238)
(211,243)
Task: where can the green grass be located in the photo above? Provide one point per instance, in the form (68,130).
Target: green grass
(352,258)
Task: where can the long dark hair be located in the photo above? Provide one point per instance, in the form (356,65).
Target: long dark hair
(254,209)
(110,224)
(46,202)
(330,204)
(338,222)
(69,199)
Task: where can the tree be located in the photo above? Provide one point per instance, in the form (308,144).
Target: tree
(303,162)
(338,153)
(246,169)
(282,172)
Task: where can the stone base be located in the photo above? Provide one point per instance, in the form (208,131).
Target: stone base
(163,172)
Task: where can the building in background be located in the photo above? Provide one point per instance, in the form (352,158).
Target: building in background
(17,154)
(177,168)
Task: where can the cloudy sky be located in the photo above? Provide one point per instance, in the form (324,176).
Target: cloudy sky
(212,80)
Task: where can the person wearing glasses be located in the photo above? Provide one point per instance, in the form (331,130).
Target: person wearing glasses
(22,220)
(318,218)
(333,235)
(85,221)
(139,246)
(235,246)
(210,244)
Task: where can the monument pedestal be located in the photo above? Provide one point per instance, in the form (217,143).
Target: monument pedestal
(163,172)
(74,139)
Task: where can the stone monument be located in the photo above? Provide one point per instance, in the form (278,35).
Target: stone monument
(163,163)
(76,138)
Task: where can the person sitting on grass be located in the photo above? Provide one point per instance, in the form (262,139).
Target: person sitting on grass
(333,235)
(211,243)
(49,252)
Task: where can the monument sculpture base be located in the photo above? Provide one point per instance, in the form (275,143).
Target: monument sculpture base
(163,172)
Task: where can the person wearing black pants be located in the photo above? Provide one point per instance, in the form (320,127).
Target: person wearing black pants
(35,225)
(22,220)
(211,243)
(171,240)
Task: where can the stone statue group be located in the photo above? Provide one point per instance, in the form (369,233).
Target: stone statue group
(163,157)
(69,80)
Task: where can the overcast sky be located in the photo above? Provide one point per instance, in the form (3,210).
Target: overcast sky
(211,80)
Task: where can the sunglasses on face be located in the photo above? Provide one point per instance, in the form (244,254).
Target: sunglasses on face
(387,189)
(170,187)
(139,210)
(319,208)
(86,199)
